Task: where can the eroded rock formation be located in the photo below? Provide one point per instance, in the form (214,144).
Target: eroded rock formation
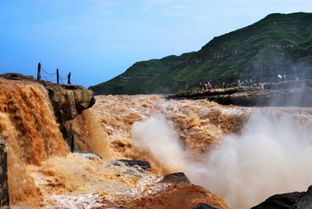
(68,101)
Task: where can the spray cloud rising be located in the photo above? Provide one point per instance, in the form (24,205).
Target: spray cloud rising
(271,155)
(157,136)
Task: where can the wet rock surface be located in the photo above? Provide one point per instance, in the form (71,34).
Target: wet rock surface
(176,178)
(142,164)
(294,200)
(182,196)
(4,189)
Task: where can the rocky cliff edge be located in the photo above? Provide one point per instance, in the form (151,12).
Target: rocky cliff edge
(68,101)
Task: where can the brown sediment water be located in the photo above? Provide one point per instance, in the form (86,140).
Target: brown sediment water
(199,124)
(28,126)
(242,154)
(86,181)
(42,172)
(89,135)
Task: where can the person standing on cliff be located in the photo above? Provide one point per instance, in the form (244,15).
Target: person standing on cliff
(209,85)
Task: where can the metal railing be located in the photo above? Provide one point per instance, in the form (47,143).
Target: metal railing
(43,74)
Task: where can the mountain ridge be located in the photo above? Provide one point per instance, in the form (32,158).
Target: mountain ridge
(277,44)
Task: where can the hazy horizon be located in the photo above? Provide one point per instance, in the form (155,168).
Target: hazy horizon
(97,40)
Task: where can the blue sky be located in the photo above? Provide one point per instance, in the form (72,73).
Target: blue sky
(97,40)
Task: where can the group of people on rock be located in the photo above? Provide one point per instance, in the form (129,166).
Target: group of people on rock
(205,85)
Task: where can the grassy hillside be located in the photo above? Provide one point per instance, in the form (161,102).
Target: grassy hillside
(277,44)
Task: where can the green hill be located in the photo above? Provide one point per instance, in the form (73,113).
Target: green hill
(277,44)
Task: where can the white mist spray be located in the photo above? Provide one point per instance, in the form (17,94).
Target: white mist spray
(158,136)
(270,156)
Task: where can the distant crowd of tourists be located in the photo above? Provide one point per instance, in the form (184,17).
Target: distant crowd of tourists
(205,85)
